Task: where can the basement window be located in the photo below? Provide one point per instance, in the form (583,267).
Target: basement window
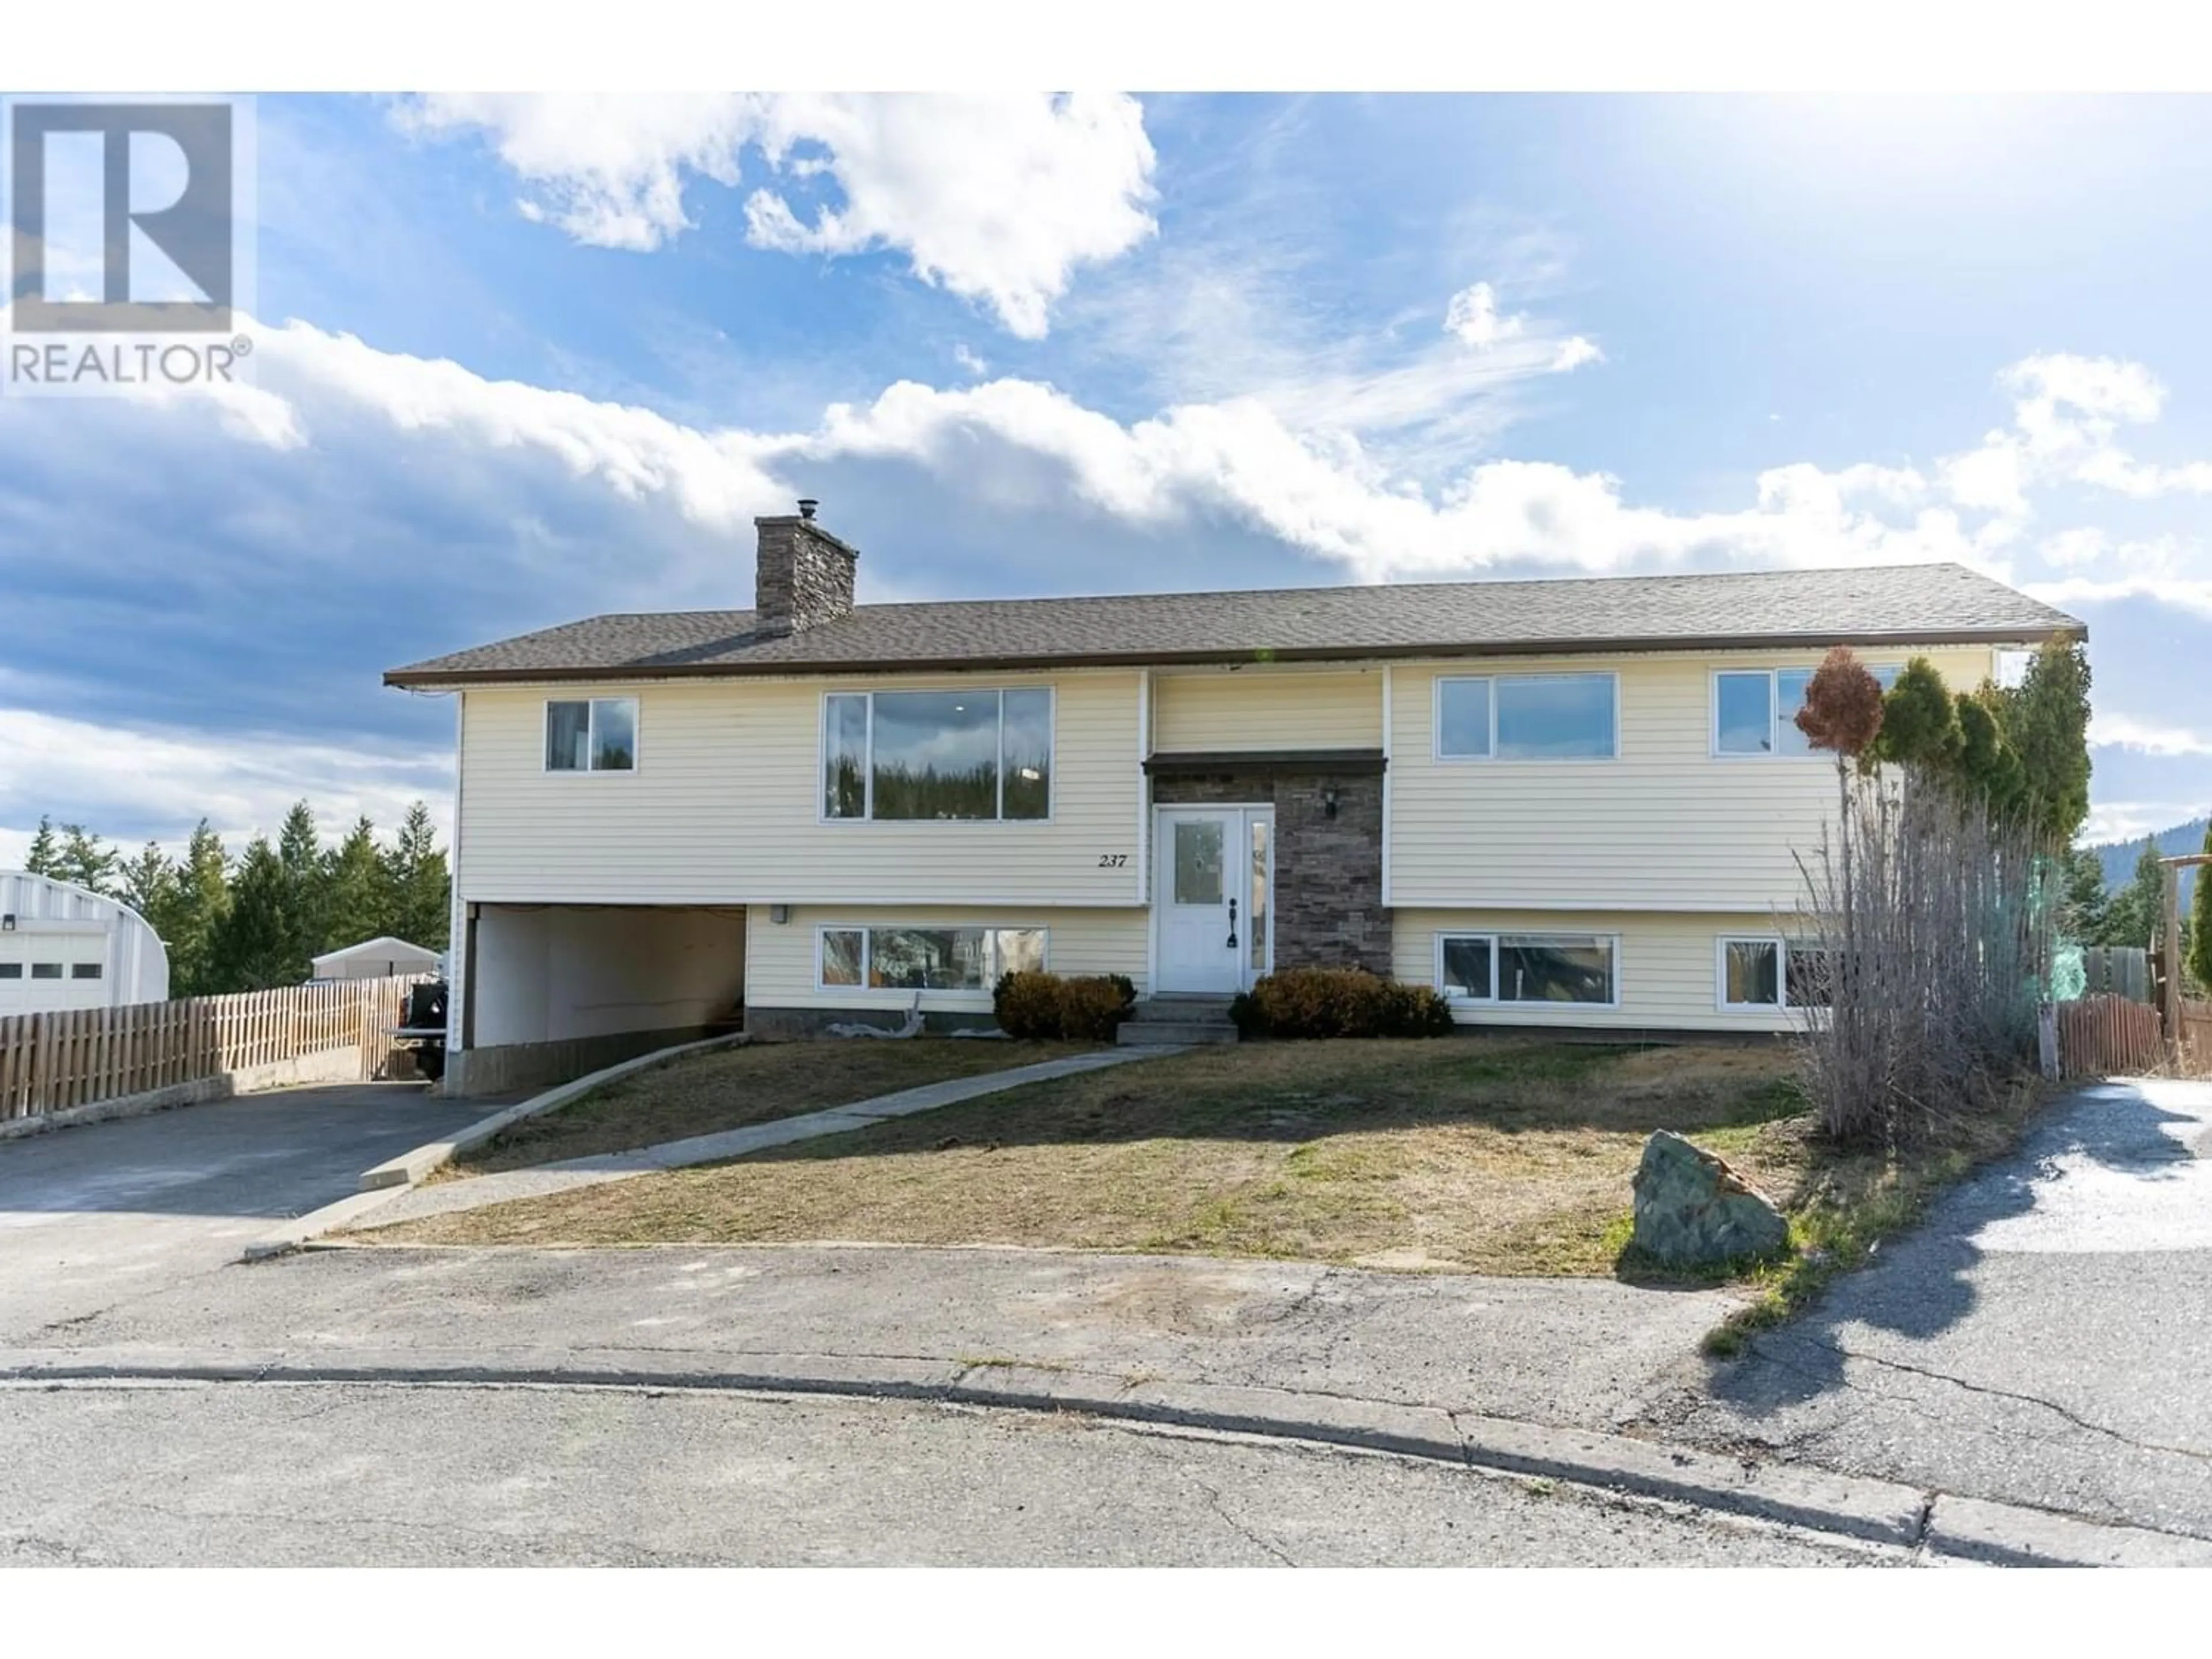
(927,959)
(1764,975)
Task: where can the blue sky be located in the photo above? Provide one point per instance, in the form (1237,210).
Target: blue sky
(527,359)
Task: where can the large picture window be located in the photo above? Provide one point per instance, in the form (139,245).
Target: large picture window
(1528,717)
(898,756)
(1528,968)
(1755,709)
(927,959)
(598,734)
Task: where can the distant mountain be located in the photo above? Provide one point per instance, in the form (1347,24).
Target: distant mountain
(2118,857)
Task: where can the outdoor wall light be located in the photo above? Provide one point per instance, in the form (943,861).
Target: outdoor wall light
(1328,802)
(779,914)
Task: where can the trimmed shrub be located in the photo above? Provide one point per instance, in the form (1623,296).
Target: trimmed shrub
(1027,1005)
(1086,1008)
(1339,1002)
(1093,1007)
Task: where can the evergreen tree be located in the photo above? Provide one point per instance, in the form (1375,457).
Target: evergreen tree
(418,889)
(39,860)
(1919,721)
(2082,916)
(148,883)
(85,861)
(298,851)
(256,946)
(355,903)
(2046,723)
(203,901)
(2200,921)
(2136,909)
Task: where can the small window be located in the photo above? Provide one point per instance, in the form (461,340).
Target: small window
(46,970)
(928,958)
(11,970)
(843,950)
(84,971)
(597,735)
(1463,719)
(1467,964)
(1555,968)
(1767,974)
(1751,972)
(1755,709)
(1521,717)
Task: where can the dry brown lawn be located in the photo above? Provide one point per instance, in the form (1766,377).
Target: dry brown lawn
(736,1087)
(1489,1156)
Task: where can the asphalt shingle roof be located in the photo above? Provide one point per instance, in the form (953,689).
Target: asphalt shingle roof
(1921,604)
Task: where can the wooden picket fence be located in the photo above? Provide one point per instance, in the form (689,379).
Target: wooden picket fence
(2109,1037)
(51,1062)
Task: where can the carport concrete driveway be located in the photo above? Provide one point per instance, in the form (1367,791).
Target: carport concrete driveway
(93,1216)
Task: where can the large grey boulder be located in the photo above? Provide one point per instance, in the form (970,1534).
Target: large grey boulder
(1692,1209)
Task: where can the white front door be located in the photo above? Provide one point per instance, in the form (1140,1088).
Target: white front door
(1213,877)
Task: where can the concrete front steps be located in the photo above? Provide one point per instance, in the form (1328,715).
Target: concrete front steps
(1177,1022)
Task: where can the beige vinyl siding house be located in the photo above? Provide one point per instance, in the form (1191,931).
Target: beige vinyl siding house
(1558,802)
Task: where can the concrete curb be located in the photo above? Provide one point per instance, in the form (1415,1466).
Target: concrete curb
(1870,1511)
(410,1168)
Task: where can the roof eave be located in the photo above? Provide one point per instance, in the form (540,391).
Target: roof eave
(427,677)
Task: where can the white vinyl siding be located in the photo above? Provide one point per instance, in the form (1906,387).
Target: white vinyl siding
(1259,708)
(784,960)
(728,808)
(1666,825)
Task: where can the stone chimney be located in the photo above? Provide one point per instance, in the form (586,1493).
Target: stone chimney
(805,574)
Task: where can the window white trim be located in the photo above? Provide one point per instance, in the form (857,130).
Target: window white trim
(867,930)
(1496,938)
(1721,1003)
(1783,946)
(1885,673)
(1493,681)
(592,739)
(822,814)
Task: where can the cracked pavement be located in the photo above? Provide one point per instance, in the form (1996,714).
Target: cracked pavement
(2044,1339)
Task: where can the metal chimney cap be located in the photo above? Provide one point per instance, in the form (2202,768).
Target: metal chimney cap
(807,506)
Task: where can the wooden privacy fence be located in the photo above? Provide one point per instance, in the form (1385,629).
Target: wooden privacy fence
(51,1062)
(2109,1037)
(2119,970)
(2197,1033)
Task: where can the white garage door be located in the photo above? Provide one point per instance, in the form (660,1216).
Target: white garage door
(44,971)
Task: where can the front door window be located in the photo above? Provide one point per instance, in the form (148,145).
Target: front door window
(1198,861)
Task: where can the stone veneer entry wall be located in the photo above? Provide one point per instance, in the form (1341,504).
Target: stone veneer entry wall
(1328,871)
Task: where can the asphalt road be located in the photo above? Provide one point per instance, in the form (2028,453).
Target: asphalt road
(97,1216)
(341,1475)
(2047,1338)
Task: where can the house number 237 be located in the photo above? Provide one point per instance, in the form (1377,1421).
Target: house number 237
(1112,860)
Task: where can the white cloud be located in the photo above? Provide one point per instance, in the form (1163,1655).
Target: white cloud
(242,784)
(2131,820)
(1473,317)
(996,197)
(969,360)
(1573,353)
(2113,731)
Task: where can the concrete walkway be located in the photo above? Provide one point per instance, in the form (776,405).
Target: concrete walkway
(446,1197)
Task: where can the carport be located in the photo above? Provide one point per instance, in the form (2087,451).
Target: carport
(548,992)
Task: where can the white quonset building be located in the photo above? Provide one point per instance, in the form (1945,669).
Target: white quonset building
(385,958)
(64,946)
